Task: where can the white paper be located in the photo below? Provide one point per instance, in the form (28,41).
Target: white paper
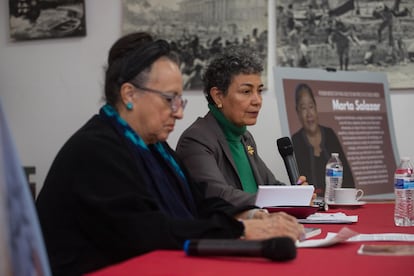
(386,249)
(329,218)
(274,195)
(331,238)
(383,237)
(348,235)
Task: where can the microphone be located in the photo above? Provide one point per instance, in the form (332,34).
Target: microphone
(286,151)
(275,249)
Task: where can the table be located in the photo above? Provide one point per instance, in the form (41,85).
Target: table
(340,259)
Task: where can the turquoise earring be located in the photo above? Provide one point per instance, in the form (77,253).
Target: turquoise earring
(129,106)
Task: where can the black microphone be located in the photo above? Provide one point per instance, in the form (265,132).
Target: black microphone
(286,151)
(275,249)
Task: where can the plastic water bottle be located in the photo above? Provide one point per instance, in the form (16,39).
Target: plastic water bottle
(333,176)
(404,193)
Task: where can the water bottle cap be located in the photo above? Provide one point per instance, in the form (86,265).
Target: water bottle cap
(335,154)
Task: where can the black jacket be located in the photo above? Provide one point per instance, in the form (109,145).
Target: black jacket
(314,168)
(95,209)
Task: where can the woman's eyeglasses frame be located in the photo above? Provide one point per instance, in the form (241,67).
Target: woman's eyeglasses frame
(174,100)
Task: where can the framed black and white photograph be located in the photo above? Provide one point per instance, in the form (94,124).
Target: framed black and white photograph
(44,19)
(199,29)
(349,35)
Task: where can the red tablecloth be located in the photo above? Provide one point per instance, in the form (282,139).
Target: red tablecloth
(341,259)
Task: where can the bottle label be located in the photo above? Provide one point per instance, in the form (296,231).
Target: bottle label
(334,173)
(404,171)
(404,183)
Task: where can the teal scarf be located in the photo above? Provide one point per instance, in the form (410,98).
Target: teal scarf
(167,182)
(233,135)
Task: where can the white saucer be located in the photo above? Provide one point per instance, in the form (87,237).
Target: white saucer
(356,203)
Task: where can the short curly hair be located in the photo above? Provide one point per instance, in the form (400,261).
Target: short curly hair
(233,61)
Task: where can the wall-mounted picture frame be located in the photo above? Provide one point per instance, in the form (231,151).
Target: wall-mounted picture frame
(199,29)
(348,35)
(46,19)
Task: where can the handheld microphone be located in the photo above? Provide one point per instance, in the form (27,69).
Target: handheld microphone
(275,249)
(286,151)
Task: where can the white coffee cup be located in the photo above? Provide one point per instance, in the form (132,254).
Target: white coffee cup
(347,195)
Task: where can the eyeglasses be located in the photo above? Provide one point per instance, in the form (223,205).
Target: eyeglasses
(175,101)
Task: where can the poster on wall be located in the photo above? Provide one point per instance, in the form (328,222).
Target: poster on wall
(200,29)
(361,35)
(45,19)
(344,112)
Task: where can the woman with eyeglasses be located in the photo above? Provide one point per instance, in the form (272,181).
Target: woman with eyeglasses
(218,149)
(117,190)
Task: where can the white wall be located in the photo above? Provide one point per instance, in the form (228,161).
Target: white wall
(49,88)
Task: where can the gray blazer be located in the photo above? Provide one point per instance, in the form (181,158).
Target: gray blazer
(204,150)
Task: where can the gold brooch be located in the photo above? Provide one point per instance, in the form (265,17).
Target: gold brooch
(250,150)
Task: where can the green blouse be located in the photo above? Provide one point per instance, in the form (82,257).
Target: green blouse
(233,135)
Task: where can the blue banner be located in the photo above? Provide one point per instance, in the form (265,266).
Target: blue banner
(25,244)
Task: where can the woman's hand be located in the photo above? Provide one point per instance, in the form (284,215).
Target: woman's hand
(253,214)
(302,181)
(273,225)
